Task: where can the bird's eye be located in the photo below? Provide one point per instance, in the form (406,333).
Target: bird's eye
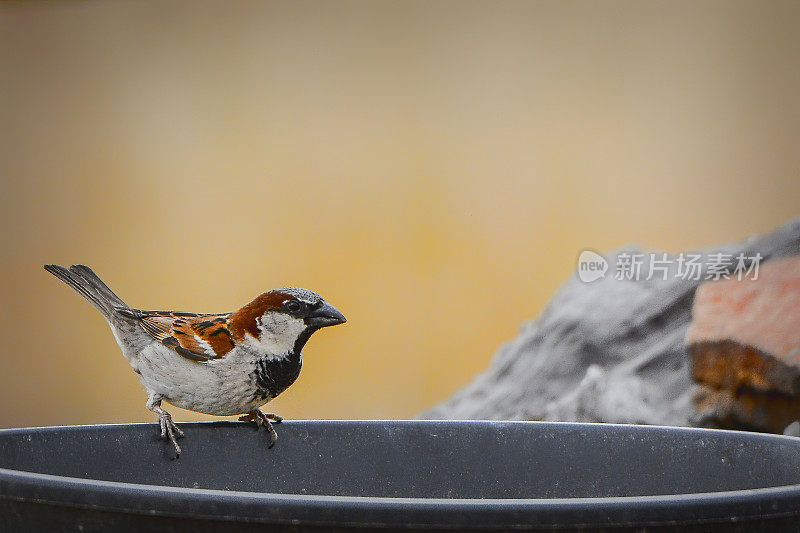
(293,306)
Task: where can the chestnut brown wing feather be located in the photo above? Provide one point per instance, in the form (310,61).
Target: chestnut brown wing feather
(193,336)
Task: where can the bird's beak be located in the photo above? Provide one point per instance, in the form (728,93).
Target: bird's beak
(324,315)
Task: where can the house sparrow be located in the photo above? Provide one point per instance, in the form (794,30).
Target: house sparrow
(219,364)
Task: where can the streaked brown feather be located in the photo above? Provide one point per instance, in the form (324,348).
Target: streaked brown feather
(199,337)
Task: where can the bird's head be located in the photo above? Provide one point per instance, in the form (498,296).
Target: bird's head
(282,320)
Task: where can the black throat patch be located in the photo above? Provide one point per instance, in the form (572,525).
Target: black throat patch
(272,377)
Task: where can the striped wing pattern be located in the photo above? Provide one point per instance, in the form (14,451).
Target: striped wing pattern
(199,337)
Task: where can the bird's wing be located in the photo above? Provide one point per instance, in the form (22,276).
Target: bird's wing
(193,336)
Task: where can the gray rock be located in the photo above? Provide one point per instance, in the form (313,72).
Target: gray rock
(606,351)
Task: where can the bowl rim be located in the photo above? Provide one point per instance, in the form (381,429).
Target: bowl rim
(366,511)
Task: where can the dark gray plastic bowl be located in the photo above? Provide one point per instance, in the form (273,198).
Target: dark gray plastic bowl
(398,475)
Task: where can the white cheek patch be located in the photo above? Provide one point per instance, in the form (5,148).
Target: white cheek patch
(278,333)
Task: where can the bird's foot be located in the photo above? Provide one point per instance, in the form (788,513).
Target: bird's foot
(257,416)
(264,419)
(170,431)
(275,418)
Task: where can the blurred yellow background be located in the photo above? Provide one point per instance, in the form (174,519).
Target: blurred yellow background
(431,168)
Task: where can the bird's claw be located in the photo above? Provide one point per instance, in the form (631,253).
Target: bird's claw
(170,431)
(273,435)
(258,417)
(266,420)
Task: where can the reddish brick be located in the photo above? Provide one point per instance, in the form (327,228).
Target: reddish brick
(730,365)
(744,343)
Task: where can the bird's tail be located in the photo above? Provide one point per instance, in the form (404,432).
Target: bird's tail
(90,286)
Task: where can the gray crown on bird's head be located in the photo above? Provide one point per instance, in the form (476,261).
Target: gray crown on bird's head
(304,295)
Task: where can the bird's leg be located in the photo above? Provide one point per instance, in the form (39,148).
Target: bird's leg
(264,419)
(168,427)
